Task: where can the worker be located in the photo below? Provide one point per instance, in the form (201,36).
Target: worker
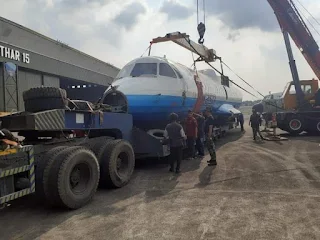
(191,127)
(200,137)
(175,137)
(241,121)
(208,130)
(255,123)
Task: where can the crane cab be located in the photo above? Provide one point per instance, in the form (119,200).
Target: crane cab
(309,87)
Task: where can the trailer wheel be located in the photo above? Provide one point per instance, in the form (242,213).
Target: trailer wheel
(295,125)
(47,183)
(41,180)
(44,92)
(318,127)
(96,144)
(74,177)
(117,164)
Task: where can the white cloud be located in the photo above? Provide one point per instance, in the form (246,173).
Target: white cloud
(255,50)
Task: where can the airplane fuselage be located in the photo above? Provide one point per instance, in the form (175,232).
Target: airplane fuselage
(155,87)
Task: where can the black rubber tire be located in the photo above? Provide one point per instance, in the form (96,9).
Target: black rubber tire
(36,105)
(289,128)
(47,171)
(41,181)
(96,144)
(59,177)
(109,175)
(44,92)
(156,132)
(317,128)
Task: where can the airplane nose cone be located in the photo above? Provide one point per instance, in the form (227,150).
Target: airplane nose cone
(258,107)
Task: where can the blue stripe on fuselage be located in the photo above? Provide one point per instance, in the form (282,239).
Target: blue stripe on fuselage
(156,108)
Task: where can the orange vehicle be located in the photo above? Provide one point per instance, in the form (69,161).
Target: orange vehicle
(309,88)
(298,109)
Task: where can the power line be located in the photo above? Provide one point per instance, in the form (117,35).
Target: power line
(231,80)
(308,19)
(221,72)
(241,78)
(218,70)
(308,12)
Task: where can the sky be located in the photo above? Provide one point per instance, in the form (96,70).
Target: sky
(244,33)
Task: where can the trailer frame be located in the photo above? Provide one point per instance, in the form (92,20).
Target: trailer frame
(8,172)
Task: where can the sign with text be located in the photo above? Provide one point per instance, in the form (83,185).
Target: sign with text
(13,54)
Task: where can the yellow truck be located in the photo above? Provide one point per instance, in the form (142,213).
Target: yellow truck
(287,100)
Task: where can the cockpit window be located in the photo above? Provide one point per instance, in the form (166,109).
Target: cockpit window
(166,70)
(144,69)
(177,71)
(125,71)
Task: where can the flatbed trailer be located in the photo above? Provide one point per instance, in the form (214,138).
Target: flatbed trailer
(69,152)
(68,167)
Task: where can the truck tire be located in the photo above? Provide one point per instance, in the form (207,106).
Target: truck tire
(117,162)
(295,124)
(74,177)
(156,133)
(318,127)
(36,105)
(41,181)
(96,144)
(44,92)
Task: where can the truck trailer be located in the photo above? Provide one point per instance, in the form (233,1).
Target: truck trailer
(70,148)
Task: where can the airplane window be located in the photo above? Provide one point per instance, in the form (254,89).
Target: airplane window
(125,71)
(177,71)
(166,70)
(144,69)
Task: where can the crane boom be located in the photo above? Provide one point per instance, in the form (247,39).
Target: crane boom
(182,39)
(291,22)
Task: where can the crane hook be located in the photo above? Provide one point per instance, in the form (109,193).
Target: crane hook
(201,30)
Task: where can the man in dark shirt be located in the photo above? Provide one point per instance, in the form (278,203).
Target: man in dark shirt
(255,123)
(175,136)
(200,138)
(208,130)
(191,126)
(241,121)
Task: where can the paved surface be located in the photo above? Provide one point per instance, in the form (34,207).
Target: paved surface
(265,190)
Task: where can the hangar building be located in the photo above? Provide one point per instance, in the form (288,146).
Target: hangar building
(29,59)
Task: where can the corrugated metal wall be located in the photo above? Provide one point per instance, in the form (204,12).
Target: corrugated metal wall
(26,80)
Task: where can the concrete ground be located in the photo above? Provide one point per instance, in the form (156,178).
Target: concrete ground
(265,190)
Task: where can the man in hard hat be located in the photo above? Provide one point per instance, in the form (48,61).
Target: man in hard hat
(175,136)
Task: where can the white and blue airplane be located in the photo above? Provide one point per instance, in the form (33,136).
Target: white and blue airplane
(155,87)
